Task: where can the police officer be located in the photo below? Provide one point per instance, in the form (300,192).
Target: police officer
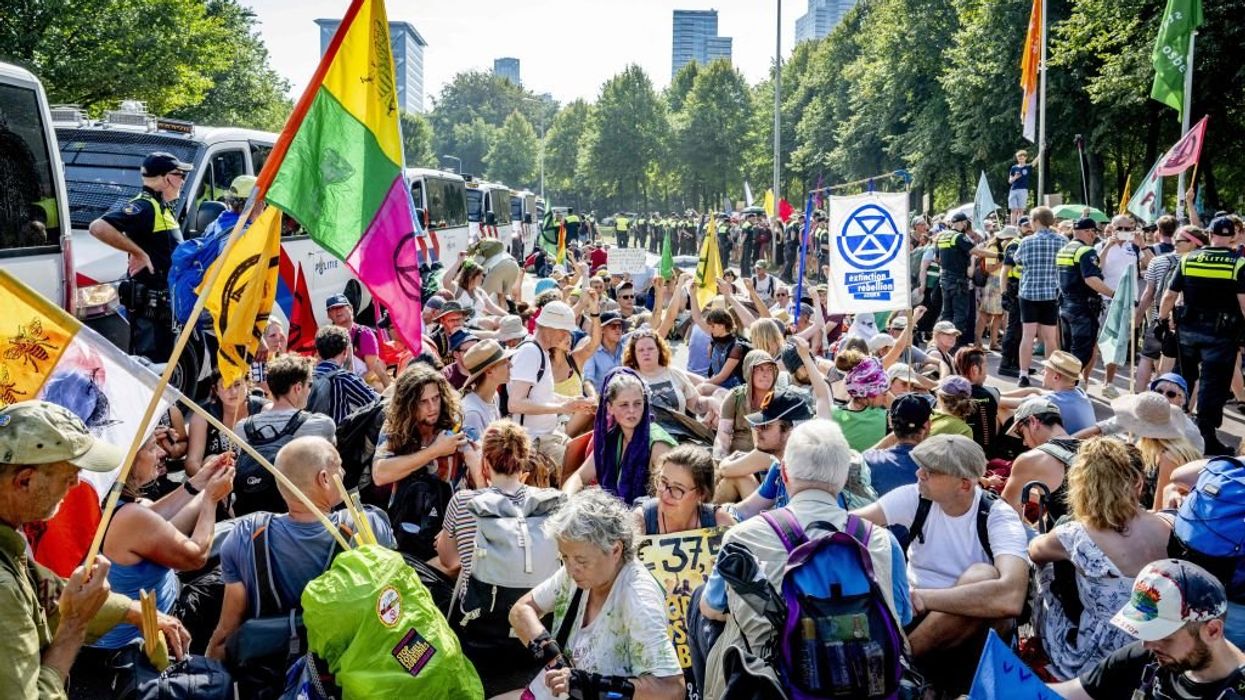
(147,230)
(1210,325)
(1009,365)
(640,231)
(1080,284)
(573,224)
(622,228)
(955,249)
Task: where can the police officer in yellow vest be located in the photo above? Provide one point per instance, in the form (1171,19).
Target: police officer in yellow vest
(573,226)
(639,231)
(1210,325)
(1009,365)
(147,230)
(1080,284)
(622,225)
(955,249)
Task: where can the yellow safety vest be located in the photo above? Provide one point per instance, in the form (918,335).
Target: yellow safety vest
(621,223)
(1212,265)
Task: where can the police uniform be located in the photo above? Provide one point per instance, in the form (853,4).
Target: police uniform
(1011,304)
(1079,305)
(641,232)
(152,226)
(954,250)
(572,228)
(746,237)
(1209,329)
(622,227)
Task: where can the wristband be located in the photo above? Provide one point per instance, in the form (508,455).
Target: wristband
(190,489)
(544,649)
(595,315)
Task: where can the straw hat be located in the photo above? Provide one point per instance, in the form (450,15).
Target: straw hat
(1148,414)
(1064,363)
(481,357)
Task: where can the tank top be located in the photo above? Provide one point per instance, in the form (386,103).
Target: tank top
(128,580)
(652,525)
(1063,449)
(574,384)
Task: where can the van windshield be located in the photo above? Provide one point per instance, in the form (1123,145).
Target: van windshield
(445,203)
(475,206)
(29,215)
(516,208)
(102,168)
(501,205)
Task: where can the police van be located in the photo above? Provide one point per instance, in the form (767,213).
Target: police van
(36,243)
(488,210)
(101,170)
(523,221)
(440,200)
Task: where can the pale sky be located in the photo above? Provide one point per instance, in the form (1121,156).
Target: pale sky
(565,47)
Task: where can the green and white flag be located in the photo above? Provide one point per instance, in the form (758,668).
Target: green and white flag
(1147,202)
(983,204)
(1113,339)
(666,270)
(1171,51)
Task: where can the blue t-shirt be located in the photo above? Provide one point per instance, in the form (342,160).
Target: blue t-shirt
(300,551)
(1075,409)
(1022,182)
(772,487)
(698,352)
(891,468)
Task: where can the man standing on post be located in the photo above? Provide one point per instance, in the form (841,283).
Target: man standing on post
(1080,281)
(1018,195)
(955,253)
(147,230)
(1039,288)
(1210,328)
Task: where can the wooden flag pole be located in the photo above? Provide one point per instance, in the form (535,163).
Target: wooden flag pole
(362,530)
(283,479)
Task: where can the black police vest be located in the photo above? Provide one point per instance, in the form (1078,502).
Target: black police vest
(952,261)
(1068,264)
(1210,276)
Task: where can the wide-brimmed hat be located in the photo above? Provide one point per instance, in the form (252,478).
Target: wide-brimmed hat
(1064,363)
(481,357)
(39,432)
(510,328)
(450,307)
(558,316)
(1148,414)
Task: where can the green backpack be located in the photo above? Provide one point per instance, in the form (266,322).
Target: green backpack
(376,627)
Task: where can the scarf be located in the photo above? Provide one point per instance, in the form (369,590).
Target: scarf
(627,479)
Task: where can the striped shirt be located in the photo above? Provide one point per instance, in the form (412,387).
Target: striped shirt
(1039,280)
(1157,274)
(347,392)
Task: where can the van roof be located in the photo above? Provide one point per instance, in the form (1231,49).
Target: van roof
(205,135)
(432,172)
(16,74)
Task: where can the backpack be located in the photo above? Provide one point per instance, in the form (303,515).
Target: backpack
(503,394)
(511,556)
(254,488)
(1210,525)
(195,677)
(357,436)
(191,259)
(924,505)
(840,637)
(320,398)
(416,508)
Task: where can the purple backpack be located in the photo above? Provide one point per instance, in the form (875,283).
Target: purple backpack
(840,639)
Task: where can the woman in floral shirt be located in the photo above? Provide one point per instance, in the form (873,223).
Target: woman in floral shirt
(618,611)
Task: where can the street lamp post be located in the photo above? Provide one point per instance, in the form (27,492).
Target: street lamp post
(459,168)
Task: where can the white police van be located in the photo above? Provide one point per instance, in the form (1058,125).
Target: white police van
(524,219)
(35,239)
(440,199)
(488,210)
(101,170)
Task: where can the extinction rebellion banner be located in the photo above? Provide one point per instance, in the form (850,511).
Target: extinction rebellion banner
(869,253)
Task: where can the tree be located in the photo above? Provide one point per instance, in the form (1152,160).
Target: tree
(623,138)
(562,154)
(680,85)
(473,139)
(491,99)
(710,132)
(417,141)
(512,158)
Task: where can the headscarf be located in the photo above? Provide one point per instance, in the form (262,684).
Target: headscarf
(627,480)
(864,326)
(867,379)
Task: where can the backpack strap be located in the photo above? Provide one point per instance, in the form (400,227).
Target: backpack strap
(268,600)
(572,611)
(789,530)
(984,504)
(540,372)
(917,529)
(650,516)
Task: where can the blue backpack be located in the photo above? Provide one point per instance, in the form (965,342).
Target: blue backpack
(1210,525)
(191,259)
(840,638)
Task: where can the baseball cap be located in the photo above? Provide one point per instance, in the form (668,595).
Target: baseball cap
(1085,224)
(910,411)
(950,454)
(163,163)
(881,341)
(1030,407)
(1167,594)
(610,317)
(783,405)
(336,300)
(946,327)
(1171,377)
(898,323)
(900,370)
(762,264)
(1222,226)
(39,432)
(459,337)
(955,385)
(958,217)
(1022,221)
(449,307)
(242,186)
(434,302)
(1009,231)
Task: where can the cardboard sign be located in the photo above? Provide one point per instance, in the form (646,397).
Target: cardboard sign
(625,260)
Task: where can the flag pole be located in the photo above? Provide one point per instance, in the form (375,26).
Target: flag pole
(1184,119)
(1042,156)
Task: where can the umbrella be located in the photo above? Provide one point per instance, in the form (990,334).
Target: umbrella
(754,210)
(1080,211)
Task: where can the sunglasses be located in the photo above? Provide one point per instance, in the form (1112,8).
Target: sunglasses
(627,296)
(1172,393)
(1183,239)
(177,174)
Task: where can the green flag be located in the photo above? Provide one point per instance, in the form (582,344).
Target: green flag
(1113,339)
(667,259)
(1171,51)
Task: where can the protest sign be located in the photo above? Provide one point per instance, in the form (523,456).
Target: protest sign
(625,260)
(868,253)
(681,562)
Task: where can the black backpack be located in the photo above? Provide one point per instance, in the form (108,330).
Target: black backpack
(254,488)
(417,511)
(320,399)
(357,436)
(924,505)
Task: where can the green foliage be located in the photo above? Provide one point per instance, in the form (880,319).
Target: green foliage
(417,141)
(562,154)
(512,159)
(484,97)
(473,141)
(709,132)
(623,138)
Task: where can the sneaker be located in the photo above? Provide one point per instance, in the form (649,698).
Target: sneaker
(1012,372)
(1024,382)
(1110,392)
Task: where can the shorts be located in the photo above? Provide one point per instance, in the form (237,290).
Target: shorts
(1017,198)
(1156,349)
(1043,313)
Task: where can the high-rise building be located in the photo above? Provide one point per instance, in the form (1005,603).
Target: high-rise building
(408,60)
(822,17)
(507,68)
(696,39)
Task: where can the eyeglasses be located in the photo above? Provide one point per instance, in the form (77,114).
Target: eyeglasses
(177,174)
(626,297)
(1172,393)
(1183,239)
(673,489)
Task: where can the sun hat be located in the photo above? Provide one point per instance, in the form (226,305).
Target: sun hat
(946,327)
(1167,595)
(1009,231)
(867,379)
(1064,363)
(558,316)
(1148,414)
(481,357)
(510,328)
(543,285)
(40,432)
(901,370)
(449,307)
(881,341)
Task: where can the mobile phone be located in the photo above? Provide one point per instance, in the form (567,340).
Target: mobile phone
(472,433)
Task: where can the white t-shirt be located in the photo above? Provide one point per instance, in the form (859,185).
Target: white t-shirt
(1122,258)
(524,367)
(477,413)
(669,387)
(765,287)
(951,544)
(627,638)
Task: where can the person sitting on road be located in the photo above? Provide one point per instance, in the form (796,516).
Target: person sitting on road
(771,428)
(955,405)
(346,392)
(760,377)
(968,560)
(682,485)
(893,467)
(365,357)
(228,404)
(1039,425)
(1174,388)
(863,420)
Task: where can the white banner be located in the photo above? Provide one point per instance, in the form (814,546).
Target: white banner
(625,260)
(869,253)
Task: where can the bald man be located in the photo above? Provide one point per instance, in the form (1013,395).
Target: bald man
(297,543)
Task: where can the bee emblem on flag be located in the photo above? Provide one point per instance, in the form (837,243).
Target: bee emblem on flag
(30,345)
(8,388)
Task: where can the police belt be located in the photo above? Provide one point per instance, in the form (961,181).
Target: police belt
(1210,317)
(1082,300)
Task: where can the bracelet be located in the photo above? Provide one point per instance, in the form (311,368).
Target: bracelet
(190,489)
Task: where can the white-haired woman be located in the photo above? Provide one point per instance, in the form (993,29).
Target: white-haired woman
(614,609)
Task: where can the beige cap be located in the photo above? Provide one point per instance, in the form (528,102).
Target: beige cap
(510,328)
(39,432)
(951,454)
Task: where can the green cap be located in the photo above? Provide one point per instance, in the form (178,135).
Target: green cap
(38,432)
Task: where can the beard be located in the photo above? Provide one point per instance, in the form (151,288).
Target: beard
(1196,660)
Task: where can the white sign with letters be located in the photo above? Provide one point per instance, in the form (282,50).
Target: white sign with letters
(869,253)
(625,260)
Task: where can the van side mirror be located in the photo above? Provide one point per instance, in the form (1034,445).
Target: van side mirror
(208,212)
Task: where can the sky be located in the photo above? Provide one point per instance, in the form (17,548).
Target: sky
(566,47)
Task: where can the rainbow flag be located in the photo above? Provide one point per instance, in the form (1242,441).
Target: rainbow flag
(337,166)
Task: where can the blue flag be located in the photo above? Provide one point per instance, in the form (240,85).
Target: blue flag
(1001,675)
(799,284)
